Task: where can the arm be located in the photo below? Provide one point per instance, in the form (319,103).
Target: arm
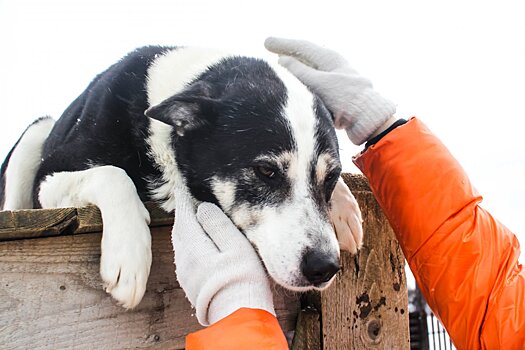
(465,262)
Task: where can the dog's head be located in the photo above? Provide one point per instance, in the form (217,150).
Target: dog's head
(251,138)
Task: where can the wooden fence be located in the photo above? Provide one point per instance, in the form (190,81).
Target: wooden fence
(51,295)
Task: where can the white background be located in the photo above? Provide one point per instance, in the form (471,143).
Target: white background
(457,65)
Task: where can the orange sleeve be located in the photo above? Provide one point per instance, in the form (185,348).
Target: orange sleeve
(243,329)
(464,261)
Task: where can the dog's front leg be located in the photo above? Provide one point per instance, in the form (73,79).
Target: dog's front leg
(126,241)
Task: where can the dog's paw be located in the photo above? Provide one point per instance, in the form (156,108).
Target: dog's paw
(126,260)
(346,218)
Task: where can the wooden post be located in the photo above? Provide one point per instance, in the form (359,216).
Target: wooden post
(367,306)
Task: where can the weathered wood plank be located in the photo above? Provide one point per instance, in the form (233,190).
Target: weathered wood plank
(51,298)
(366,306)
(36,223)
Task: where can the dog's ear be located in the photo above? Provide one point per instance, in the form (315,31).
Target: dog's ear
(187,110)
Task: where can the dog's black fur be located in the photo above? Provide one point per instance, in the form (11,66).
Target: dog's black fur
(106,125)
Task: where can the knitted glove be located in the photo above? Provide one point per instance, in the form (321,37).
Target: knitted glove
(356,106)
(346,218)
(216,265)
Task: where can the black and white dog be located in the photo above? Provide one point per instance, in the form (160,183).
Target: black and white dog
(238,131)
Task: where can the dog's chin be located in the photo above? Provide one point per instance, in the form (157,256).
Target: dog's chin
(303,286)
(324,285)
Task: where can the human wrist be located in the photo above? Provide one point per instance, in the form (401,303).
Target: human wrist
(388,127)
(370,112)
(389,122)
(245,294)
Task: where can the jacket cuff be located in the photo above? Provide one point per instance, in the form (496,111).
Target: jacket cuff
(376,139)
(243,329)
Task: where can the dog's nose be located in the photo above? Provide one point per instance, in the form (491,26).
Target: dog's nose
(319,267)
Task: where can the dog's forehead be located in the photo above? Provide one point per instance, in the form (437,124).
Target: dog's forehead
(282,122)
(310,125)
(268,107)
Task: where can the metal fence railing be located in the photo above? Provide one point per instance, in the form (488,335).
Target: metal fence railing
(426,332)
(438,338)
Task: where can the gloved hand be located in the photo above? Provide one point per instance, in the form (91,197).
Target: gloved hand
(356,106)
(216,265)
(346,218)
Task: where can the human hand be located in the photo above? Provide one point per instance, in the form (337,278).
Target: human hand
(356,106)
(346,218)
(216,265)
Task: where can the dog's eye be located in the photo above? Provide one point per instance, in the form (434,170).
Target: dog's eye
(266,171)
(330,178)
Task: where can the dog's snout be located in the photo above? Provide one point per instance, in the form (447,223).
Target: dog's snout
(319,267)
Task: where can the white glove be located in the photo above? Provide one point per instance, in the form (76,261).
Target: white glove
(346,218)
(356,106)
(216,265)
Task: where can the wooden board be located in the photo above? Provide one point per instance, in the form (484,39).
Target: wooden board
(51,298)
(23,224)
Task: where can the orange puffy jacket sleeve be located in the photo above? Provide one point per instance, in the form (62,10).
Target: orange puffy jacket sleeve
(464,261)
(243,329)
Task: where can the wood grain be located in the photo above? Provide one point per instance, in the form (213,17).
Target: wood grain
(366,307)
(308,330)
(34,223)
(51,298)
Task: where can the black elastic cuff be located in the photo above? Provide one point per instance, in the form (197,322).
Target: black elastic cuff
(376,139)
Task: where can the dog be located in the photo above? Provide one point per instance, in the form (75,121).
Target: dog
(238,131)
